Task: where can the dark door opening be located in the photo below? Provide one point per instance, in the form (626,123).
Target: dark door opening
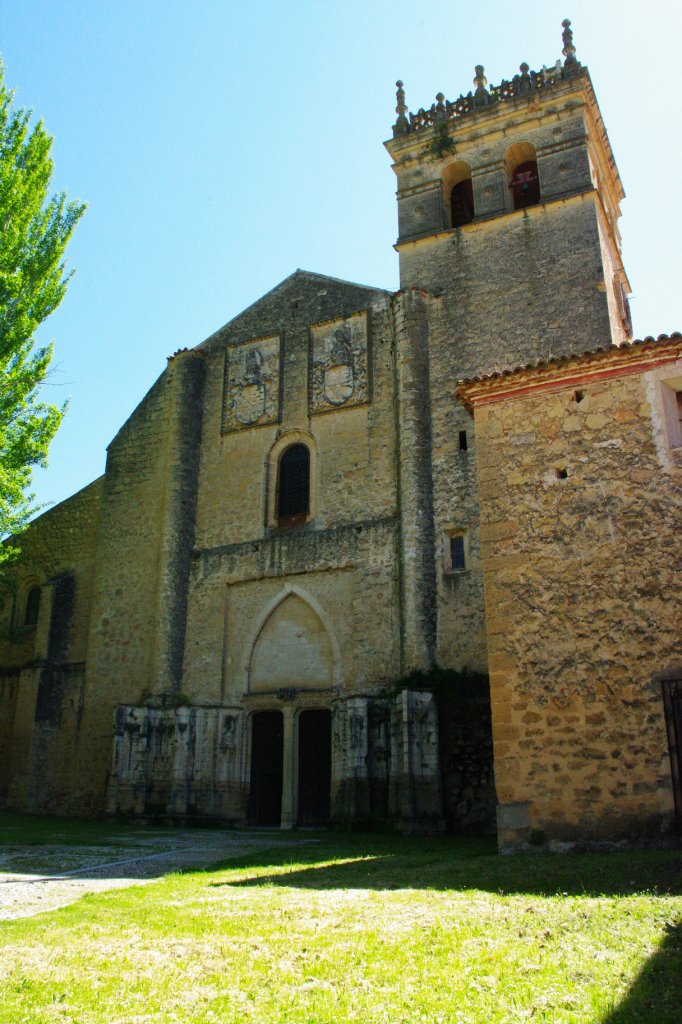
(267,750)
(672,702)
(314,766)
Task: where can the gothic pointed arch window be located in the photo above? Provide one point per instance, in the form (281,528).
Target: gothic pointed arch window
(522,173)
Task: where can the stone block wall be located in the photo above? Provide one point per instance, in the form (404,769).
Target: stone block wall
(192,762)
(9,691)
(186,762)
(507,288)
(343,558)
(483,321)
(580,499)
(41,694)
(136,637)
(352,448)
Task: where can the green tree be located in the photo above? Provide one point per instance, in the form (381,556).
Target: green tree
(34,231)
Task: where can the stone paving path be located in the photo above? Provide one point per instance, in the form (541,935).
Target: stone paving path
(40,878)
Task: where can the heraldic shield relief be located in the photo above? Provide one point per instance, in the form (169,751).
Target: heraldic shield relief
(252,384)
(339,363)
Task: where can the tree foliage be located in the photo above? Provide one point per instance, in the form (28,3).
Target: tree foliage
(34,231)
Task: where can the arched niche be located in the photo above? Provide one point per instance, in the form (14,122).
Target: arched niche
(458,194)
(294,646)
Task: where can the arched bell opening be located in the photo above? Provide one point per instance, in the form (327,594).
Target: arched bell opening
(459,194)
(522,174)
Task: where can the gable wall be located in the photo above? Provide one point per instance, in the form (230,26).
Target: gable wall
(345,557)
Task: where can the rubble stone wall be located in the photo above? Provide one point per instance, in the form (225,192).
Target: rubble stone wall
(580,538)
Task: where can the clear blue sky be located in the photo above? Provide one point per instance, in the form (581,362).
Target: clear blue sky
(221,145)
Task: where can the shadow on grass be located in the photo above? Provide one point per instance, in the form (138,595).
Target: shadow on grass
(18,829)
(366,862)
(656,993)
(342,860)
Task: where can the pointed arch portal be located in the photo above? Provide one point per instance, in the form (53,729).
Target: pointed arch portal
(294,646)
(293,649)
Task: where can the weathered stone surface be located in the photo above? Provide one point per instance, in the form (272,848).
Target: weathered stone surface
(206,621)
(592,601)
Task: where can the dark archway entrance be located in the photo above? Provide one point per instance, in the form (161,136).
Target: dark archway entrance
(267,749)
(314,766)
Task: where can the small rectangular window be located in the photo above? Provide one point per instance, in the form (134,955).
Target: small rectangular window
(463,446)
(455,551)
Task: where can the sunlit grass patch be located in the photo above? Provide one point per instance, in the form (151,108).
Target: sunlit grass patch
(366,929)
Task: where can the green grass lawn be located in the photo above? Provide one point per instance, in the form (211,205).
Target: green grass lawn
(30,830)
(363,928)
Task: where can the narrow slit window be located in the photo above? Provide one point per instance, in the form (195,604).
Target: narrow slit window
(463,444)
(457,556)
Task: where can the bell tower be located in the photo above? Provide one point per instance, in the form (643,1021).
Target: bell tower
(508,207)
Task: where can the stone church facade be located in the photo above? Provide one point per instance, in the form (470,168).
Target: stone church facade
(344,489)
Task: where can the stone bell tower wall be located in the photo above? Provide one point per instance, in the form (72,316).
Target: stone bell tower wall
(505,277)
(507,288)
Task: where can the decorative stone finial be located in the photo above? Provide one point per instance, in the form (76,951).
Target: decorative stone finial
(440,108)
(525,84)
(481,96)
(567,37)
(402,125)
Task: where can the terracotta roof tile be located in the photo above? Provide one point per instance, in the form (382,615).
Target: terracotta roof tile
(562,359)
